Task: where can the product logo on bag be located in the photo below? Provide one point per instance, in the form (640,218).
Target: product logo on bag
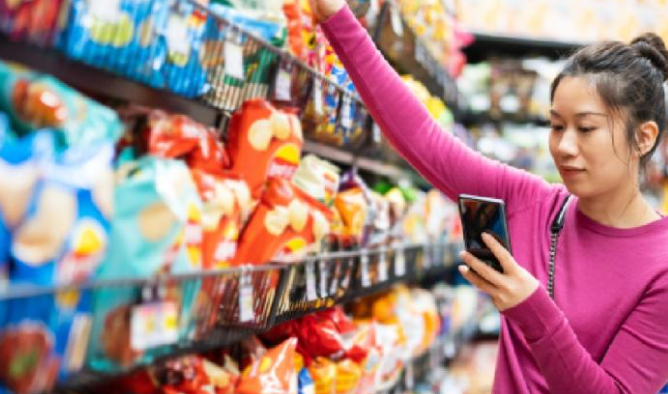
(87,247)
(285,162)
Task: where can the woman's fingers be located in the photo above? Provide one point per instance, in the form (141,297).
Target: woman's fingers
(476,280)
(502,254)
(485,271)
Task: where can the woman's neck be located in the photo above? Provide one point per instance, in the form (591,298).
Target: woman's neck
(621,210)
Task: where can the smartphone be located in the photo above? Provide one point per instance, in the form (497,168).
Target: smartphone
(484,215)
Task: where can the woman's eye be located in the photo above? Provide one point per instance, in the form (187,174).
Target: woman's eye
(557,127)
(586,129)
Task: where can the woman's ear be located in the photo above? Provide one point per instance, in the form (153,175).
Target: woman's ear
(646,137)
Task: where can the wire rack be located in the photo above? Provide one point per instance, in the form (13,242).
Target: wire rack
(183,48)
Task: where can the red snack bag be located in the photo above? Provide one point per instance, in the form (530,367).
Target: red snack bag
(284,224)
(178,136)
(264,143)
(273,373)
(31,20)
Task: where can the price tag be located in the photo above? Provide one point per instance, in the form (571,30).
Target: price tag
(400,261)
(323,279)
(234,60)
(382,266)
(317,96)
(334,287)
(409,379)
(311,294)
(364,270)
(246,310)
(345,282)
(75,353)
(153,325)
(426,256)
(346,116)
(283,85)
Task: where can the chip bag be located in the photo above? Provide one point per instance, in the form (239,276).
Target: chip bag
(33,102)
(264,143)
(348,376)
(318,178)
(157,229)
(273,373)
(286,222)
(323,372)
(34,21)
(305,383)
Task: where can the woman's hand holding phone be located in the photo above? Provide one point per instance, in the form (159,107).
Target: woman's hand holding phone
(506,289)
(323,9)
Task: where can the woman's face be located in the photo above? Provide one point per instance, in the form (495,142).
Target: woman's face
(592,158)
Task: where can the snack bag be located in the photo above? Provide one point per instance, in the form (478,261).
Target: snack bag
(35,102)
(305,383)
(318,178)
(121,36)
(366,338)
(264,143)
(157,229)
(286,222)
(183,36)
(301,30)
(323,372)
(348,376)
(273,373)
(32,20)
(352,207)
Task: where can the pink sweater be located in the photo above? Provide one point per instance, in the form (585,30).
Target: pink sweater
(607,330)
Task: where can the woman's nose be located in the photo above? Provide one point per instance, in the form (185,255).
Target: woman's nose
(568,144)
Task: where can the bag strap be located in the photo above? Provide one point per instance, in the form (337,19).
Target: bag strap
(555,230)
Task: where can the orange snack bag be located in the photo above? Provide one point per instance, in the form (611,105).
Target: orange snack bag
(264,143)
(323,372)
(352,207)
(273,373)
(286,222)
(348,376)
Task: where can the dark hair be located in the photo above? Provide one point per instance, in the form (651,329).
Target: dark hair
(628,78)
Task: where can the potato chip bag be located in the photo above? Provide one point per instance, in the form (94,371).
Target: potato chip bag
(323,372)
(352,207)
(272,373)
(33,102)
(264,143)
(318,178)
(348,376)
(156,229)
(285,224)
(121,36)
(366,338)
(34,21)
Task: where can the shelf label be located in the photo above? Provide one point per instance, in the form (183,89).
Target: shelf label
(310,281)
(400,261)
(246,311)
(383,269)
(364,269)
(283,84)
(234,60)
(397,23)
(323,279)
(346,112)
(154,324)
(75,353)
(317,96)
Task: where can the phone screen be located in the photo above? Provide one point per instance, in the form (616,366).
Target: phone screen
(480,215)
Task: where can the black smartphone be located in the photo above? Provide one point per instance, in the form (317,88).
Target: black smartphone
(484,215)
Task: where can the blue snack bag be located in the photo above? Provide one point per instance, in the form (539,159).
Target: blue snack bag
(117,35)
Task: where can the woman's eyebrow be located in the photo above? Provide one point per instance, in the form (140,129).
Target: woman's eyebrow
(590,113)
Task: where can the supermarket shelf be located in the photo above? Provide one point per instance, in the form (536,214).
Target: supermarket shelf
(103,84)
(487,46)
(335,278)
(409,55)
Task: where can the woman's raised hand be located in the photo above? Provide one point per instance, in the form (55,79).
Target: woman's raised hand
(323,9)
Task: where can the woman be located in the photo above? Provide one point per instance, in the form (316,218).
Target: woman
(606,330)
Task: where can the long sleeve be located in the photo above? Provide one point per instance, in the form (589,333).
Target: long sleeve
(443,160)
(636,361)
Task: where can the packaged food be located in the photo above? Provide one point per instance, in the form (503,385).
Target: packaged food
(183,38)
(301,30)
(318,178)
(284,225)
(348,376)
(35,102)
(352,207)
(264,143)
(122,36)
(274,372)
(305,383)
(366,337)
(156,229)
(323,372)
(33,20)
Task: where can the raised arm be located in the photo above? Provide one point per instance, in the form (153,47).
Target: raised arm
(442,159)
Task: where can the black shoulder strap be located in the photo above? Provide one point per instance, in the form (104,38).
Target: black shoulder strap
(558,222)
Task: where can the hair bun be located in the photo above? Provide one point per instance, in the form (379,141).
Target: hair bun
(652,47)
